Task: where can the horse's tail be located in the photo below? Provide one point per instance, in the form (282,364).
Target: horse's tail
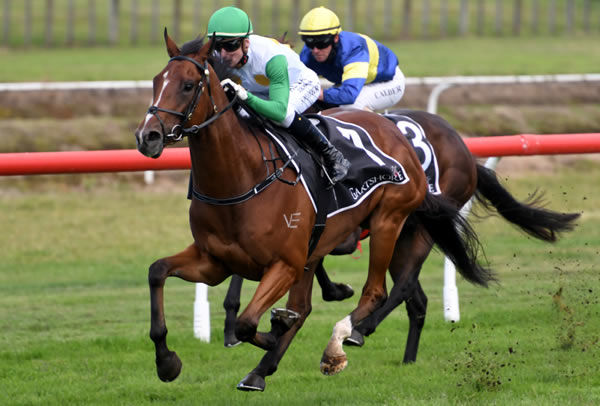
(530,216)
(454,236)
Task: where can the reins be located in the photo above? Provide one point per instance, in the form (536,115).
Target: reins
(259,187)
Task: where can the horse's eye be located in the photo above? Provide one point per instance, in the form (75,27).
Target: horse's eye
(187,86)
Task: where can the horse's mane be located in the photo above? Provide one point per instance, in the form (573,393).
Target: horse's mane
(194,46)
(222,70)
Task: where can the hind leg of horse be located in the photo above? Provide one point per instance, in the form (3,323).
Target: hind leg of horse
(385,230)
(332,291)
(189,265)
(231,304)
(416,307)
(299,301)
(274,284)
(410,253)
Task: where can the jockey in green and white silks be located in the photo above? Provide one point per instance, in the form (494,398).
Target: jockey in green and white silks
(279,84)
(274,81)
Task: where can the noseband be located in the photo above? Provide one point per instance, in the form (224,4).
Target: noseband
(178,131)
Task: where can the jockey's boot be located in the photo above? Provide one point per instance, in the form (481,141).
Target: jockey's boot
(335,163)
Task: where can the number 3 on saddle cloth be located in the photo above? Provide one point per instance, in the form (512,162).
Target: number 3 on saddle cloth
(416,136)
(418,140)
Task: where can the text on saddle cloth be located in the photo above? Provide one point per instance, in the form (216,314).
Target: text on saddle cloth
(370,167)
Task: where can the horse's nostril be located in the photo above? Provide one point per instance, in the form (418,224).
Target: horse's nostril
(154,136)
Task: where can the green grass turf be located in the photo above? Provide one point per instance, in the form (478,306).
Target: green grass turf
(418,58)
(75,311)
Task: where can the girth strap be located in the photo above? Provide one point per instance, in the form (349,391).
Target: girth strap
(259,187)
(317,230)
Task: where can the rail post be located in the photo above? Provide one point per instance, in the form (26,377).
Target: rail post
(202,313)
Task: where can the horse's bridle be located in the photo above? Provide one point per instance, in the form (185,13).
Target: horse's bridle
(179,131)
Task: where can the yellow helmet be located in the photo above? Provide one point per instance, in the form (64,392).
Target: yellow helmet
(320,21)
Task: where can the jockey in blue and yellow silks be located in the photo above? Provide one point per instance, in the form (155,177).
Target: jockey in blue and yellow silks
(365,71)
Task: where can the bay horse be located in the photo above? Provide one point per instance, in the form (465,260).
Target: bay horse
(460,178)
(242,202)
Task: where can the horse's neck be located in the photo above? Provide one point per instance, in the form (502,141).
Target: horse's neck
(226,159)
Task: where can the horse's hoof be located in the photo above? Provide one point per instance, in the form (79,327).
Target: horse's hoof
(339,292)
(356,339)
(285,316)
(231,341)
(333,365)
(168,368)
(252,382)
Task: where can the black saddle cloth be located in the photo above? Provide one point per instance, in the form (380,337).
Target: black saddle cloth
(370,167)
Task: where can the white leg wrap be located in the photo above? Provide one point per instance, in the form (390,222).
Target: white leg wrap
(341,331)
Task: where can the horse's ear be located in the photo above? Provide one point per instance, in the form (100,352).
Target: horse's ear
(212,42)
(172,48)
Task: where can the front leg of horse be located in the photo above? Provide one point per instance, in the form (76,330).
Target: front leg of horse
(331,291)
(255,380)
(274,284)
(281,321)
(189,265)
(168,364)
(231,304)
(417,309)
(299,302)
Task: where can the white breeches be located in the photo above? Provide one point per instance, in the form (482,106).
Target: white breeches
(381,95)
(303,94)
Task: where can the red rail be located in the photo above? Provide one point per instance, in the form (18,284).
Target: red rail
(37,163)
(532,144)
(124,160)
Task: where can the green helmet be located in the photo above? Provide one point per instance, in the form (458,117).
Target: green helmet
(230,22)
